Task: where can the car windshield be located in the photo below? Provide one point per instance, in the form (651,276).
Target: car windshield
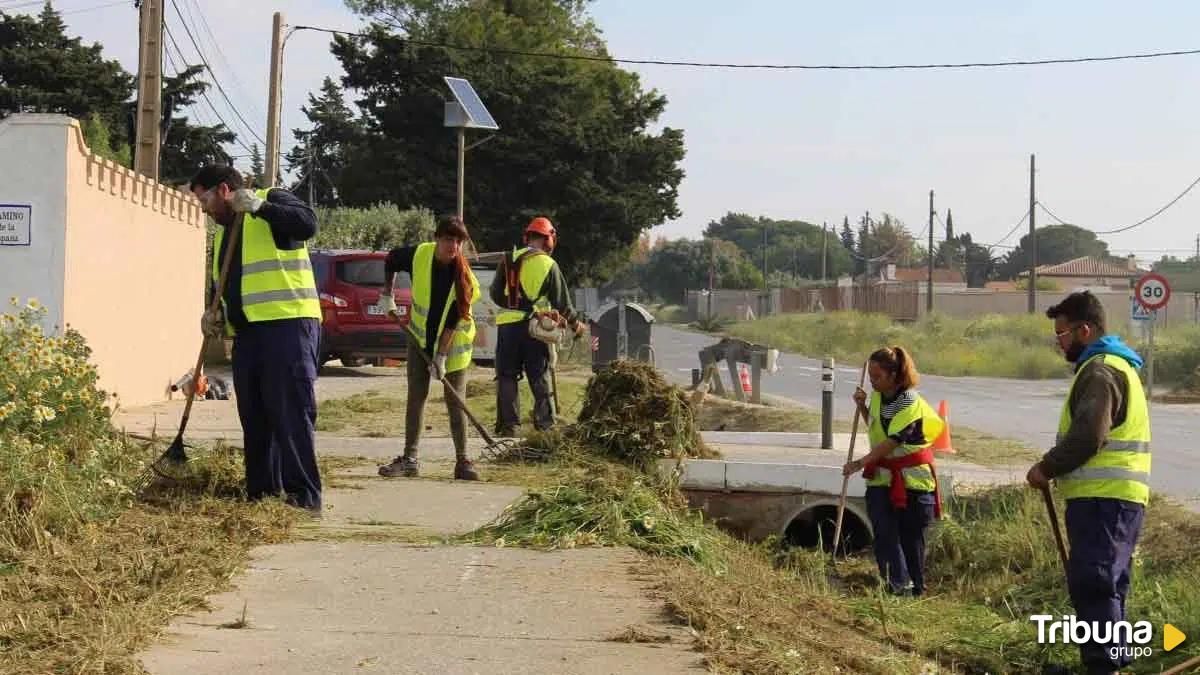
(367,272)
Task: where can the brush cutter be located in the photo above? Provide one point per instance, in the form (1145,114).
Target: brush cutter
(837,528)
(493,447)
(172,462)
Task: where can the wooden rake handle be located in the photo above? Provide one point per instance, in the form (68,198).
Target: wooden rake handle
(837,528)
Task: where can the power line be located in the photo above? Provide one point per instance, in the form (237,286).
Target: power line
(1000,243)
(213,74)
(69,11)
(770,66)
(212,38)
(204,92)
(1143,221)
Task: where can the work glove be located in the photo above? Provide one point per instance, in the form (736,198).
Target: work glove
(212,324)
(387,305)
(437,369)
(245,201)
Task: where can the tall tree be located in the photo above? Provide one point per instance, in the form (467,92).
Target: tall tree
(257,175)
(185,145)
(847,234)
(794,247)
(575,142)
(44,70)
(1055,244)
(322,152)
(684,264)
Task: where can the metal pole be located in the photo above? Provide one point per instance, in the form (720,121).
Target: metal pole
(1150,360)
(1033,249)
(622,336)
(929,281)
(274,101)
(462,171)
(827,404)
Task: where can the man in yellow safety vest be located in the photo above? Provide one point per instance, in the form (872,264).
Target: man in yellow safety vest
(270,307)
(528,282)
(1101,465)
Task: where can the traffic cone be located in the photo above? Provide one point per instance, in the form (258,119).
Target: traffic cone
(744,376)
(942,442)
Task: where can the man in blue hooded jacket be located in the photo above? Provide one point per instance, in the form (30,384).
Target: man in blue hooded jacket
(1101,465)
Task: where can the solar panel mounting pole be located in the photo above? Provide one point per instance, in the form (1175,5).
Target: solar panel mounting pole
(462,169)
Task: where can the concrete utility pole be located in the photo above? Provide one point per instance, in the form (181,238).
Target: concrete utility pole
(275,101)
(929,281)
(1033,249)
(825,247)
(149,103)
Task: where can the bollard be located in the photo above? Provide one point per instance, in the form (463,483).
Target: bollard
(827,404)
(695,377)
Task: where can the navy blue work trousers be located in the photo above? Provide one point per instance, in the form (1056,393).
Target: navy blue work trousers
(274,371)
(519,352)
(900,537)
(1102,533)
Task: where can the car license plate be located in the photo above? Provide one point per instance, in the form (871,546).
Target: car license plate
(402,310)
(372,310)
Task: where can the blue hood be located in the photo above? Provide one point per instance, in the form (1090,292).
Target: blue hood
(1110,344)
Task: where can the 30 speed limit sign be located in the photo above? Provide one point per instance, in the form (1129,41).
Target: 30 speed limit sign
(1152,291)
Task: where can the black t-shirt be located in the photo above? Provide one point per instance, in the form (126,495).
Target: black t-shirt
(442,279)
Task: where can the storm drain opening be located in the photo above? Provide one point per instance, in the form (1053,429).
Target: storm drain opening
(814,527)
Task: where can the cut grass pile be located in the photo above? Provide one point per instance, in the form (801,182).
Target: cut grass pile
(90,572)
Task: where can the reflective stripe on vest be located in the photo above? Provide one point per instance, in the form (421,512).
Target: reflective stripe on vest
(276,284)
(919,477)
(534,271)
(1120,469)
(458,356)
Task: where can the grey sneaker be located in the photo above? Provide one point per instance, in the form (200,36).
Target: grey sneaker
(406,467)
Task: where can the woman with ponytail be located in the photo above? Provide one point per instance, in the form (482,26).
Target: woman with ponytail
(443,290)
(902,495)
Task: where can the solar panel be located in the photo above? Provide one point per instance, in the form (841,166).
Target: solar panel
(478,116)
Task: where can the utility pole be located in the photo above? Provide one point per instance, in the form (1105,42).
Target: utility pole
(929,281)
(149,103)
(824,247)
(1196,294)
(1033,248)
(275,101)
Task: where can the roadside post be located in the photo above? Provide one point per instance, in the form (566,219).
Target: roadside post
(827,403)
(1151,292)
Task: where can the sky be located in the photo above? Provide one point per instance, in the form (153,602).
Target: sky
(1114,141)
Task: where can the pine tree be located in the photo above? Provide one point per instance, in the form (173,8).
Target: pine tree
(257,178)
(322,152)
(847,234)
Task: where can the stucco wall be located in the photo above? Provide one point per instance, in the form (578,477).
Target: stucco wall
(129,254)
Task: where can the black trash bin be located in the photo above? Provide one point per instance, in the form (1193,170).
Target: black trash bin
(605,326)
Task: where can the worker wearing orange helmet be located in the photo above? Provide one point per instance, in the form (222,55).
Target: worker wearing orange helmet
(527,284)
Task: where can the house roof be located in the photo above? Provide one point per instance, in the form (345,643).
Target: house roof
(940,276)
(1087,266)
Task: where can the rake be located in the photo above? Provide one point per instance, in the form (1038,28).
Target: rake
(171,464)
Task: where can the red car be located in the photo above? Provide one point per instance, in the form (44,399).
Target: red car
(348,283)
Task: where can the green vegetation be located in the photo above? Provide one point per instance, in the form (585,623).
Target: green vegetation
(90,571)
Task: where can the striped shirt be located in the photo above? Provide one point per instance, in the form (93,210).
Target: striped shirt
(913,434)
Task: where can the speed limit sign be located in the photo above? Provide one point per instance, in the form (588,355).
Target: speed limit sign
(1152,291)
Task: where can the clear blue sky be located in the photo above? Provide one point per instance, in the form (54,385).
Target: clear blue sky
(1114,141)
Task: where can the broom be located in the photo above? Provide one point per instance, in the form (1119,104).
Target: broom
(175,456)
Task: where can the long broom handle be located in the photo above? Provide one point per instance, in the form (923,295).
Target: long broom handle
(451,393)
(837,529)
(234,233)
(1052,511)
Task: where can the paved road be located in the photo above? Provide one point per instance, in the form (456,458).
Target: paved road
(1025,410)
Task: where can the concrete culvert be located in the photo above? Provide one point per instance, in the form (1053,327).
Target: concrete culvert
(815,526)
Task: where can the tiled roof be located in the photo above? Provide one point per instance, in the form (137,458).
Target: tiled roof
(1087,266)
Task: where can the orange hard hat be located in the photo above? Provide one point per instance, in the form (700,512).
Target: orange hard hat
(544,227)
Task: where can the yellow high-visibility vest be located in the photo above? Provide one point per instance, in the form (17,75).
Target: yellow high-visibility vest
(534,270)
(276,284)
(1120,469)
(920,476)
(459,356)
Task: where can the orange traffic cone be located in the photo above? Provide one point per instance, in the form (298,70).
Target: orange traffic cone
(744,376)
(942,442)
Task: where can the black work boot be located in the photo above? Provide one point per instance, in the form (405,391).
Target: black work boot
(464,469)
(402,466)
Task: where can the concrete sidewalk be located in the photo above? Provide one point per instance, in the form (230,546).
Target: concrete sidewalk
(371,588)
